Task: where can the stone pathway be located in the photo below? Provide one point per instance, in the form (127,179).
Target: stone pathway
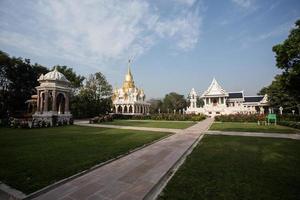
(134,175)
(254,134)
(169,130)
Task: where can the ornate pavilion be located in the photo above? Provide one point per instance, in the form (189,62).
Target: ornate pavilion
(52,99)
(219,102)
(129,100)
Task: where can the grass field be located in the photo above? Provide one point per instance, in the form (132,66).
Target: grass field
(153,124)
(251,127)
(34,158)
(234,168)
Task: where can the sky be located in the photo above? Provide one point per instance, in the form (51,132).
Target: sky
(174,45)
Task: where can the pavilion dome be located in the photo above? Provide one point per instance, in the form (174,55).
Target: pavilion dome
(53,76)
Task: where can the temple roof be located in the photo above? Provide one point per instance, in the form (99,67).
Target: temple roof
(235,95)
(254,99)
(215,90)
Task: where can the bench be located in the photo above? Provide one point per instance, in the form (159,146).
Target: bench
(271,118)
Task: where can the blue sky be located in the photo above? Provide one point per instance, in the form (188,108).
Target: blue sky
(175,44)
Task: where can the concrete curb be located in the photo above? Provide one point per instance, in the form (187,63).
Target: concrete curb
(7,192)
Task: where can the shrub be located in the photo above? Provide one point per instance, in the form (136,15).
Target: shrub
(289,117)
(162,116)
(290,124)
(240,118)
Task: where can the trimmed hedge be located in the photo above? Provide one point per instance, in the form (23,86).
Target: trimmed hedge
(169,117)
(290,124)
(289,117)
(240,118)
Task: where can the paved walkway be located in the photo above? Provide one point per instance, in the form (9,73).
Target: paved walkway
(254,134)
(169,130)
(134,175)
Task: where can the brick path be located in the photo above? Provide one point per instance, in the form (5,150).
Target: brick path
(132,176)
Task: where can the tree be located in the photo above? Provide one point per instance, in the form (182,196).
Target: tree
(94,97)
(156,105)
(288,59)
(174,101)
(284,90)
(18,82)
(278,97)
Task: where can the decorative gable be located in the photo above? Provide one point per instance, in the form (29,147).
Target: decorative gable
(215,90)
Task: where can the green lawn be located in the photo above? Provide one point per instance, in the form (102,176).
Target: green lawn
(152,123)
(251,127)
(34,158)
(235,168)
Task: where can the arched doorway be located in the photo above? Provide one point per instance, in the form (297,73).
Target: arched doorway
(130,109)
(214,101)
(60,103)
(125,109)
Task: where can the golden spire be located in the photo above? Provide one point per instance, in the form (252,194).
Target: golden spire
(128,83)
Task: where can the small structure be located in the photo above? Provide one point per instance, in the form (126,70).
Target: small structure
(218,101)
(129,100)
(53,96)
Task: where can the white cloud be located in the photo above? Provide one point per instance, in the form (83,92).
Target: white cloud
(95,31)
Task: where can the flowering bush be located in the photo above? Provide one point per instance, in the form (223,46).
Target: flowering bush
(240,118)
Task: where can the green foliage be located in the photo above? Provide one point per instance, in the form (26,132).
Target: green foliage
(284,90)
(155,105)
(290,124)
(152,123)
(174,101)
(240,118)
(94,97)
(162,116)
(18,79)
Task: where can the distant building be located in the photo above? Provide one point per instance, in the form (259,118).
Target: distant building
(129,100)
(219,102)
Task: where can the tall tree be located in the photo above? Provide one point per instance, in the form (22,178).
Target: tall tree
(18,82)
(156,105)
(288,59)
(94,97)
(284,90)
(174,101)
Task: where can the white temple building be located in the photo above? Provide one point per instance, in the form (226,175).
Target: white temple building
(219,102)
(129,100)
